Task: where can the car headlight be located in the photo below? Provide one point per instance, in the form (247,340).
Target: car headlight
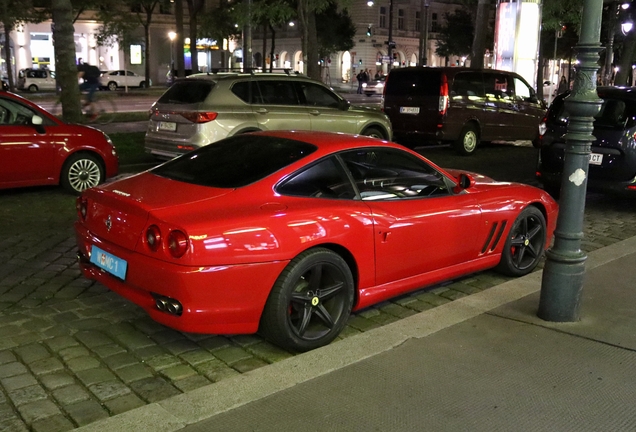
(364,85)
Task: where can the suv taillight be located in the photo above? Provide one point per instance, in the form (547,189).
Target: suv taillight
(199,117)
(443,95)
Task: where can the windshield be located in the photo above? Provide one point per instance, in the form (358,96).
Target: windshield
(236,161)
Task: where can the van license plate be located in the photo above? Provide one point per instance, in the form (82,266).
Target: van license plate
(168,126)
(596,159)
(409,110)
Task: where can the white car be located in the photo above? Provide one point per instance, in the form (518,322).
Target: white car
(120,78)
(374,87)
(36,79)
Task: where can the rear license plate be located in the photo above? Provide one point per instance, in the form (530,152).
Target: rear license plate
(109,262)
(596,159)
(168,126)
(409,110)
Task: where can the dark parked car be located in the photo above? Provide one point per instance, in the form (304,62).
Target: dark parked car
(462,106)
(613,154)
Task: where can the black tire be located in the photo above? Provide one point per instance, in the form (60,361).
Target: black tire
(373,132)
(467,141)
(33,88)
(81,171)
(142,84)
(112,86)
(525,244)
(310,302)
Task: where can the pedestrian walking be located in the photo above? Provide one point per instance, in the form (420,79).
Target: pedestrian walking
(360,78)
(563,85)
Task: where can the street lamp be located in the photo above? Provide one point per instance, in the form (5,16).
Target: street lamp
(564,270)
(172,35)
(391,43)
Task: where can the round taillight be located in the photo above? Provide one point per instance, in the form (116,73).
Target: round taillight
(177,243)
(153,237)
(82,207)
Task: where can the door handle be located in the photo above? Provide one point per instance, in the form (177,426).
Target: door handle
(314,112)
(262,111)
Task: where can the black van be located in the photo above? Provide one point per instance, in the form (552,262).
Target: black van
(460,105)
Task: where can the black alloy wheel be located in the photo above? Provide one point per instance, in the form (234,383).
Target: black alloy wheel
(525,243)
(310,302)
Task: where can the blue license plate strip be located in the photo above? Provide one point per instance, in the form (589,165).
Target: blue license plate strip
(109,262)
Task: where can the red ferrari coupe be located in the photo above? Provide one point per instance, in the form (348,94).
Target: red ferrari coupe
(287,232)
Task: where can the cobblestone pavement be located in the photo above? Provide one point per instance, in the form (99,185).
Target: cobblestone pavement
(71,352)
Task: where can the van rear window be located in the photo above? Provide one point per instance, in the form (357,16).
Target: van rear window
(406,82)
(187,91)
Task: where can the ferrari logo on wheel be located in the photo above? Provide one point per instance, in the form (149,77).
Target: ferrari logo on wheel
(315,301)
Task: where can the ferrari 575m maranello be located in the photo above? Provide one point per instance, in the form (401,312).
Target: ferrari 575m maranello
(285,233)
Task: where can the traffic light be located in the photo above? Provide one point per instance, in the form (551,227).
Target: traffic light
(360,62)
(369,31)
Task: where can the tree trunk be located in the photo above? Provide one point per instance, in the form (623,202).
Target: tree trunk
(194,7)
(66,69)
(178,41)
(263,62)
(627,55)
(303,20)
(7,55)
(147,53)
(313,57)
(479,40)
(271,49)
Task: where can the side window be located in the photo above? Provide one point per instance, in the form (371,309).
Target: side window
(325,179)
(242,91)
(130,73)
(468,84)
(319,96)
(13,113)
(498,86)
(278,92)
(393,174)
(522,91)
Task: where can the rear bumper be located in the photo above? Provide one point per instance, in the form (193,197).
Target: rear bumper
(221,299)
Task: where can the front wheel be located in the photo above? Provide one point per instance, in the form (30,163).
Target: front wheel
(81,171)
(112,86)
(525,244)
(33,88)
(373,133)
(467,141)
(310,302)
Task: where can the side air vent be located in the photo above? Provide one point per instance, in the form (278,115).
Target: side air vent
(491,234)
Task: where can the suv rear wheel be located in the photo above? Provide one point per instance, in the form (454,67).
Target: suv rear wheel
(373,133)
(468,140)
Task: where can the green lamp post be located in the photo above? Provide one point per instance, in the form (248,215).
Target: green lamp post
(562,282)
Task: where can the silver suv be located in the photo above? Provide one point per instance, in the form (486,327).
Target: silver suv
(203,109)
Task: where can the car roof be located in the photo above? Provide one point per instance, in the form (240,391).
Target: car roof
(329,142)
(216,76)
(617,92)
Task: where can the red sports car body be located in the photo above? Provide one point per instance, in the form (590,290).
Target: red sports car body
(287,232)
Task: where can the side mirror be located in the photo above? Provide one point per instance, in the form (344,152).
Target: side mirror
(464,182)
(344,105)
(36,121)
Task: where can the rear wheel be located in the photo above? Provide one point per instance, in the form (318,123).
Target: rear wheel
(525,244)
(468,140)
(81,171)
(142,84)
(310,302)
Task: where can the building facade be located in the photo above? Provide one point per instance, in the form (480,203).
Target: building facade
(32,44)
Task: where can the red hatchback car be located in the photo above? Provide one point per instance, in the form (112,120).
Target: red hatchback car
(36,148)
(287,232)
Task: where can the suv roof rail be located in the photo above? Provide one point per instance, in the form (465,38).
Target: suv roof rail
(252,71)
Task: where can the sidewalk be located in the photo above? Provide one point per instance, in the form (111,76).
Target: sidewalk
(482,362)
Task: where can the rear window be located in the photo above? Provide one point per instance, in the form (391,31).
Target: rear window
(236,161)
(187,92)
(408,82)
